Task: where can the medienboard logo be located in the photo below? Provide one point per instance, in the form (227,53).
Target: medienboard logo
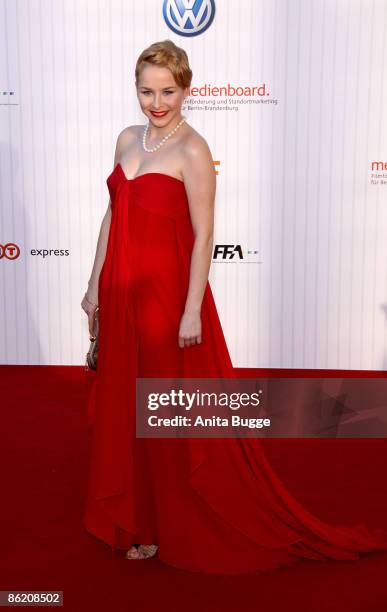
(379,166)
(9,251)
(188,17)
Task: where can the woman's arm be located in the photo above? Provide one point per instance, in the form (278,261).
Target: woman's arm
(90,300)
(92,292)
(200,183)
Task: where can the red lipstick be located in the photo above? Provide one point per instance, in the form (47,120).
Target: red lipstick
(159,113)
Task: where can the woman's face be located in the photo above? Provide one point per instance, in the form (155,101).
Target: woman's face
(159,96)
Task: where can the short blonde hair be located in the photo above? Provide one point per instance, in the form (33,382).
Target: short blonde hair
(167,55)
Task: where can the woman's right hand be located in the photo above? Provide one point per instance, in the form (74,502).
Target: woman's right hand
(89,305)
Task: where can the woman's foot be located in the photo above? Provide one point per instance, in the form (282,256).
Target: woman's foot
(144,551)
(133,552)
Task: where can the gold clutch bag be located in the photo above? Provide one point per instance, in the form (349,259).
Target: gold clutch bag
(92,353)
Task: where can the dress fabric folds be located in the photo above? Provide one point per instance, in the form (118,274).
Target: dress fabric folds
(211,505)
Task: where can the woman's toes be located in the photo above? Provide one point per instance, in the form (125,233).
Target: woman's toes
(132,553)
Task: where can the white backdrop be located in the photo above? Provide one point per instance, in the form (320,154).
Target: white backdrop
(295,186)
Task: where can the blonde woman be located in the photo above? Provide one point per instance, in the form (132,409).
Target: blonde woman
(209,505)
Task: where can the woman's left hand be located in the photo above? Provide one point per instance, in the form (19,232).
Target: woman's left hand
(190,331)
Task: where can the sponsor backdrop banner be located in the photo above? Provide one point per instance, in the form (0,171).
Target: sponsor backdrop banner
(292,99)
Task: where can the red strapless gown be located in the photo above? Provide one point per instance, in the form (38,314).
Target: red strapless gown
(212,505)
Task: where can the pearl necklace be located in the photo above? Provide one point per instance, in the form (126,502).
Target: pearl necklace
(162,141)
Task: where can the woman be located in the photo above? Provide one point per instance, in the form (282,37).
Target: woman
(211,505)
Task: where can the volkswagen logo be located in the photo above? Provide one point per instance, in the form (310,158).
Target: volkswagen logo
(188,17)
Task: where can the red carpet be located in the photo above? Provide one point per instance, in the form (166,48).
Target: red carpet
(44,457)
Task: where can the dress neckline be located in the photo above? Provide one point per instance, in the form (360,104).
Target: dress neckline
(146,174)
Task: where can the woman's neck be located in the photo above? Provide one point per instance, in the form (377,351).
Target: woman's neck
(156,133)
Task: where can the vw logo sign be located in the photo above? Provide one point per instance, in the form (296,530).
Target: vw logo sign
(188,17)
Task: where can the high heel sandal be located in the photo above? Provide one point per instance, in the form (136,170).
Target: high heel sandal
(144,551)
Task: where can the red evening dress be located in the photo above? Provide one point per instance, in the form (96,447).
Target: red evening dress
(211,505)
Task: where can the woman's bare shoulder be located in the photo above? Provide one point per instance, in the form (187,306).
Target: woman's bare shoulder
(197,165)
(125,140)
(129,133)
(192,137)
(194,144)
